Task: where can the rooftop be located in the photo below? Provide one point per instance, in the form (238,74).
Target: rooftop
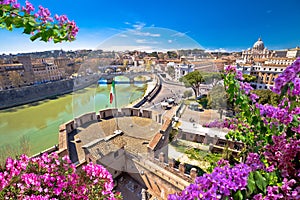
(200,130)
(137,131)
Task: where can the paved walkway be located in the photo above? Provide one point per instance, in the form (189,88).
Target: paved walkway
(174,153)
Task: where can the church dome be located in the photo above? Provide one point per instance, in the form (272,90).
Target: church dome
(259,45)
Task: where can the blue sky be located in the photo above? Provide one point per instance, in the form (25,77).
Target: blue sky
(225,25)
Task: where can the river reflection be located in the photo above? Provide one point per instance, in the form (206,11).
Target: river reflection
(39,121)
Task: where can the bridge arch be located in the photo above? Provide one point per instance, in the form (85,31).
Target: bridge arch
(129,77)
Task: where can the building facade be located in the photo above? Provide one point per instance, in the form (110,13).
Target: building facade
(11,75)
(257,51)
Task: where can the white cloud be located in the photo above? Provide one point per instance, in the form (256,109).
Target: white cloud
(216,50)
(143,41)
(139,25)
(223,50)
(170,41)
(147,34)
(128,47)
(123,35)
(179,34)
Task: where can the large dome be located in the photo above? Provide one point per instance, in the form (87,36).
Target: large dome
(259,45)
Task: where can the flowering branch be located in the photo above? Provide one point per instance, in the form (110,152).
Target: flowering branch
(51,177)
(39,24)
(272,144)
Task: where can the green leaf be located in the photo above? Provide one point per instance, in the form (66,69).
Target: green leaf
(238,195)
(31,21)
(36,36)
(27,29)
(251,184)
(260,181)
(18,22)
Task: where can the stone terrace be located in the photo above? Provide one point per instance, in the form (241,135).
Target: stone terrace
(137,130)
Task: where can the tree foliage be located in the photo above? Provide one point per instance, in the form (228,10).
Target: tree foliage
(217,97)
(193,80)
(171,71)
(187,94)
(249,78)
(211,77)
(267,97)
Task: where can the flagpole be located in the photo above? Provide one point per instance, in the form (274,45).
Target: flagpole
(115,91)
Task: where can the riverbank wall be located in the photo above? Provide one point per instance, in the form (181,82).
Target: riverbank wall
(19,96)
(151,92)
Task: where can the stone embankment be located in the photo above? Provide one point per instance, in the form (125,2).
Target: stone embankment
(151,92)
(19,96)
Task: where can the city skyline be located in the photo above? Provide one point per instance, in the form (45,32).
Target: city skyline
(218,25)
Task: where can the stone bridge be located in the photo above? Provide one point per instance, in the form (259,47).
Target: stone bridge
(130,75)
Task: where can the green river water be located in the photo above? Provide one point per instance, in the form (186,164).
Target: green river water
(39,121)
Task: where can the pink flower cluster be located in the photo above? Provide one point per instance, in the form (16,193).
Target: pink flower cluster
(52,177)
(286,191)
(282,115)
(28,8)
(246,87)
(227,123)
(217,185)
(276,143)
(254,162)
(284,153)
(43,16)
(230,69)
(289,76)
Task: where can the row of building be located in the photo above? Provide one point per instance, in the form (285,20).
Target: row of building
(257,61)
(265,64)
(24,70)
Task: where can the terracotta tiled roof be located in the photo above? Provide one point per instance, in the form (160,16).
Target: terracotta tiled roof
(260,59)
(154,142)
(166,125)
(220,61)
(102,147)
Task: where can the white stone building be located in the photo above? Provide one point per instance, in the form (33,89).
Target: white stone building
(257,51)
(182,69)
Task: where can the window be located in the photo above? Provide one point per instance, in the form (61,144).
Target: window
(222,143)
(116,154)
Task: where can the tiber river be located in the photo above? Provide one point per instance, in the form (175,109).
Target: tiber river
(39,121)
